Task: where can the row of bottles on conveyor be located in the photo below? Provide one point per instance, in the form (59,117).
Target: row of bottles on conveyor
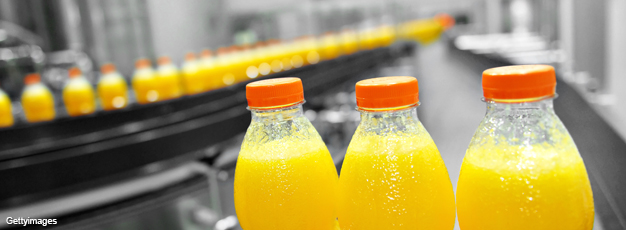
(229,66)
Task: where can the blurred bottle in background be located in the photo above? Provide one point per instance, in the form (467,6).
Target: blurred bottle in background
(78,94)
(169,80)
(6,110)
(112,88)
(37,100)
(145,82)
(193,81)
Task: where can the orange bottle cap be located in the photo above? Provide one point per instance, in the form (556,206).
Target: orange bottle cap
(274,93)
(519,82)
(387,92)
(445,20)
(164,60)
(206,53)
(107,68)
(190,56)
(32,78)
(74,72)
(223,50)
(142,63)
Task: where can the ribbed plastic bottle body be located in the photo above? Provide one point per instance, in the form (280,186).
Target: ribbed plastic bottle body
(522,171)
(393,176)
(285,176)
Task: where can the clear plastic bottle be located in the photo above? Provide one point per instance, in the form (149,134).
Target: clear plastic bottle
(393,176)
(285,177)
(112,88)
(193,81)
(6,110)
(522,169)
(145,82)
(169,79)
(37,100)
(78,94)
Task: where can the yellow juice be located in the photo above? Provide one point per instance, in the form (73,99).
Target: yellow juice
(193,81)
(169,80)
(534,187)
(6,111)
(329,47)
(112,90)
(206,65)
(145,83)
(349,42)
(79,97)
(397,181)
(424,31)
(37,100)
(288,184)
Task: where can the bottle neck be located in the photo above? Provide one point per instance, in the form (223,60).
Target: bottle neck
(277,115)
(496,108)
(386,122)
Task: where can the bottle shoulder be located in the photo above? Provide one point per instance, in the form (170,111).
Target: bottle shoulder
(290,135)
(397,137)
(519,138)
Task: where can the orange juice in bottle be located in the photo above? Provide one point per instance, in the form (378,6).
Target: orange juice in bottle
(6,110)
(349,42)
(78,94)
(393,176)
(224,71)
(37,100)
(329,46)
(522,169)
(193,80)
(112,88)
(207,63)
(424,31)
(145,82)
(285,177)
(169,80)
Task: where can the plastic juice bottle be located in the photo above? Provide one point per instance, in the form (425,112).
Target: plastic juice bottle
(329,46)
(393,176)
(192,75)
(78,95)
(349,43)
(169,82)
(285,177)
(37,100)
(274,56)
(424,31)
(286,54)
(225,70)
(522,169)
(387,35)
(367,39)
(207,63)
(6,110)
(145,82)
(112,88)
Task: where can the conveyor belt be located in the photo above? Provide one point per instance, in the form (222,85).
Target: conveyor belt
(69,154)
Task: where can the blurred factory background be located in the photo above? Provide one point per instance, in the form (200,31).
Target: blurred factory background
(170,164)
